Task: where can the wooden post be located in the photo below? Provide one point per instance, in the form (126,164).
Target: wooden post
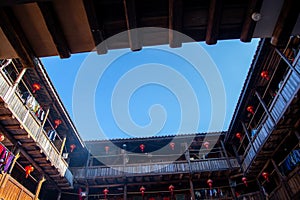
(14,161)
(15,85)
(226,155)
(192,188)
(297,134)
(287,61)
(125,192)
(264,106)
(38,189)
(247,134)
(59,195)
(282,180)
(232,189)
(62,145)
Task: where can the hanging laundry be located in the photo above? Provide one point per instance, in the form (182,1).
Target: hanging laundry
(51,134)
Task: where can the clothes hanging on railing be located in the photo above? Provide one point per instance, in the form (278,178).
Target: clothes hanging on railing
(51,134)
(33,105)
(6,158)
(292,160)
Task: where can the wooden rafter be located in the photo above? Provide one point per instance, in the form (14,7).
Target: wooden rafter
(96,26)
(175,22)
(214,21)
(15,35)
(249,24)
(286,21)
(131,21)
(55,29)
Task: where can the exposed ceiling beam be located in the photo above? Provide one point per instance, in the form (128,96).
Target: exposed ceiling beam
(214,21)
(16,2)
(286,21)
(131,21)
(96,26)
(15,35)
(55,29)
(175,22)
(249,23)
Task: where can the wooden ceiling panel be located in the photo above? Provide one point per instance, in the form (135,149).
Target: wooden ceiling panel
(6,50)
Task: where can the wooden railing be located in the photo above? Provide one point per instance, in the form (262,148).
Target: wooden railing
(31,124)
(155,168)
(280,103)
(12,189)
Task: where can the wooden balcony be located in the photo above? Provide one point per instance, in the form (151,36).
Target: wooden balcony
(277,109)
(179,167)
(23,126)
(12,189)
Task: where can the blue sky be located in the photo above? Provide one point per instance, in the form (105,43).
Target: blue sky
(145,87)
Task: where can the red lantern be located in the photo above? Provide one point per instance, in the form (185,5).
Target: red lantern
(105,191)
(239,136)
(250,109)
(142,190)
(28,170)
(171,189)
(206,144)
(57,122)
(1,137)
(266,176)
(106,149)
(36,87)
(72,147)
(244,179)
(209,182)
(172,145)
(142,147)
(265,75)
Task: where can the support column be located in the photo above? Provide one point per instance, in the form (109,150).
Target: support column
(192,188)
(226,155)
(283,180)
(38,189)
(59,195)
(63,145)
(264,106)
(232,188)
(297,135)
(14,161)
(125,192)
(287,61)
(247,134)
(15,85)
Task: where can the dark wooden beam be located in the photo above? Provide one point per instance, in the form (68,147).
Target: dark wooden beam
(286,21)
(214,21)
(175,22)
(55,29)
(249,24)
(96,26)
(131,21)
(15,35)
(16,2)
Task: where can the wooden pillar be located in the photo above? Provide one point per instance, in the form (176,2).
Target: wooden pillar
(248,135)
(192,188)
(297,135)
(282,180)
(287,61)
(264,106)
(15,85)
(232,189)
(226,155)
(63,145)
(87,192)
(14,161)
(125,192)
(38,189)
(59,195)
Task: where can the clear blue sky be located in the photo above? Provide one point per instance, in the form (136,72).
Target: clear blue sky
(153,94)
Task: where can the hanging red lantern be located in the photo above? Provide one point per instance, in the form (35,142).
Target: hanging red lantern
(209,182)
(35,87)
(57,122)
(250,109)
(244,179)
(142,190)
(206,144)
(1,137)
(266,176)
(171,189)
(239,136)
(105,191)
(142,147)
(28,170)
(106,149)
(172,145)
(265,75)
(72,147)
